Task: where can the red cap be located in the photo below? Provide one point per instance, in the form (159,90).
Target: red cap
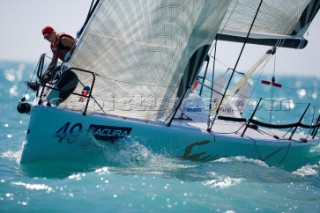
(47,30)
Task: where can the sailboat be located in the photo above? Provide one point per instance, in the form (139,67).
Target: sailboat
(131,78)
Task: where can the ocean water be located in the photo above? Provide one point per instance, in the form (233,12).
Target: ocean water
(133,179)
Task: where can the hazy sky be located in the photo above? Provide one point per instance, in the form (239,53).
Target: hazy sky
(21,22)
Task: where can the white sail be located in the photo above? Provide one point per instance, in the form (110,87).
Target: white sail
(278,23)
(145,53)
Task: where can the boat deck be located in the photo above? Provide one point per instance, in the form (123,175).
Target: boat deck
(235,129)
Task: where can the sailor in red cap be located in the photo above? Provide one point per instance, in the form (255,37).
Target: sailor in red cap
(62,46)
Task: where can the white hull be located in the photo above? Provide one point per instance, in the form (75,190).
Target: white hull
(54,134)
(145,67)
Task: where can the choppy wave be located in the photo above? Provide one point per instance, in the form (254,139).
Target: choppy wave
(309,170)
(12,155)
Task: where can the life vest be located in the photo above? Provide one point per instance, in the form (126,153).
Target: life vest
(59,48)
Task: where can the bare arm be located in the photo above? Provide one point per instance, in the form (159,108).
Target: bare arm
(67,42)
(53,62)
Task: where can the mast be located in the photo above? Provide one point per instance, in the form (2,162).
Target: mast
(93,6)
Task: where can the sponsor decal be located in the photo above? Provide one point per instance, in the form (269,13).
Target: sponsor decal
(199,156)
(109,133)
(193,109)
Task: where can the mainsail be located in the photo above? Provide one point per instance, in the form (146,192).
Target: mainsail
(145,54)
(279,23)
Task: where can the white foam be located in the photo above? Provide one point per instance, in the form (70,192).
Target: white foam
(308,170)
(76,176)
(103,170)
(34,186)
(223,182)
(243,159)
(11,155)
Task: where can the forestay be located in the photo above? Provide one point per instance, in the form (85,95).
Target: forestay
(145,53)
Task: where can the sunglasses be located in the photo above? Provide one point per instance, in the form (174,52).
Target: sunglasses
(47,37)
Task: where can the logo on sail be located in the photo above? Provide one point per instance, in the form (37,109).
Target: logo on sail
(109,133)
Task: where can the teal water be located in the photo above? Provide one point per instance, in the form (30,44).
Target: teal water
(134,179)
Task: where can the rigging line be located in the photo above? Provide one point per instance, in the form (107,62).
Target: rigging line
(272,88)
(212,48)
(90,8)
(274,64)
(93,98)
(287,132)
(237,131)
(223,64)
(220,61)
(179,104)
(260,130)
(256,146)
(295,89)
(212,78)
(228,68)
(313,117)
(235,67)
(27,89)
(210,81)
(227,21)
(286,154)
(262,61)
(90,12)
(283,86)
(225,133)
